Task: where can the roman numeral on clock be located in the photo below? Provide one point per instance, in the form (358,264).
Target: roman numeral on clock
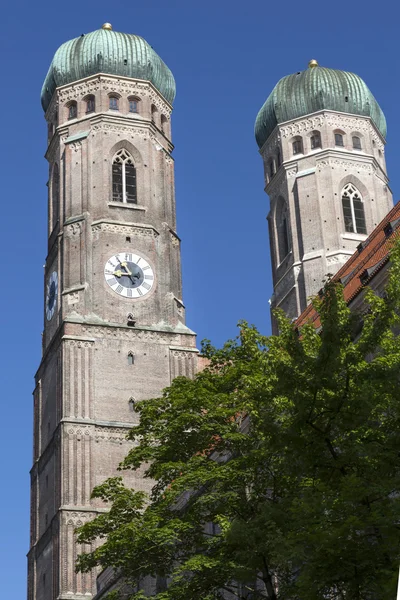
(119,289)
(146,286)
(139,291)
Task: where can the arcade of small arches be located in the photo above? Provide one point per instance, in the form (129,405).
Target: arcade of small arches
(298,147)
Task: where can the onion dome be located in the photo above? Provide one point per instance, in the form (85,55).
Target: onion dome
(317,88)
(107,51)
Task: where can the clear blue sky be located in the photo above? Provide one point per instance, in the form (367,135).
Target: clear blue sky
(226,57)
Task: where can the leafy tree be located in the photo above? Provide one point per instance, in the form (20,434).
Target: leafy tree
(276,470)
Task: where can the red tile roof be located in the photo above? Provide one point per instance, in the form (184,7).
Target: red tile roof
(357,272)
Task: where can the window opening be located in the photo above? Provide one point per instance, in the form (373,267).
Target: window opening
(283,232)
(298,146)
(316,140)
(153,113)
(113,103)
(55,195)
(164,123)
(339,139)
(123,178)
(356,142)
(278,158)
(353,210)
(133,105)
(131,358)
(131,404)
(90,104)
(72,110)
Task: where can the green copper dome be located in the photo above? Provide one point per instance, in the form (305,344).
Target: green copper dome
(107,51)
(317,88)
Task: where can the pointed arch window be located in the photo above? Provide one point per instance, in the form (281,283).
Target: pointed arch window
(154,112)
(353,210)
(164,122)
(123,178)
(131,404)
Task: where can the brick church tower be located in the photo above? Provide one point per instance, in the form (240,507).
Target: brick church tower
(114,321)
(321,135)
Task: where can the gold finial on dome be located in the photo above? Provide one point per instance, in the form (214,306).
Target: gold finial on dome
(107,26)
(313,63)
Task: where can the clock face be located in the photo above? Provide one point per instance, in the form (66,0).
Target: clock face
(51,295)
(129,275)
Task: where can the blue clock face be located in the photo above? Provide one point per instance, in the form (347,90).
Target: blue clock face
(51,295)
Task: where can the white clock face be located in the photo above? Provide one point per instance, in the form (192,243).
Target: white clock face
(51,295)
(129,275)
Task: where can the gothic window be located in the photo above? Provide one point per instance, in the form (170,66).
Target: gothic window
(113,103)
(131,358)
(316,140)
(271,168)
(133,105)
(339,139)
(90,104)
(123,178)
(353,210)
(55,195)
(131,404)
(282,231)
(356,142)
(298,145)
(72,110)
(164,122)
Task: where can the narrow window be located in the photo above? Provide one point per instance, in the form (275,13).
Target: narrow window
(44,578)
(90,104)
(72,110)
(298,146)
(271,168)
(133,105)
(282,230)
(278,158)
(356,142)
(113,103)
(123,178)
(164,122)
(153,113)
(47,481)
(316,140)
(55,195)
(131,405)
(339,139)
(131,358)
(353,210)
(46,519)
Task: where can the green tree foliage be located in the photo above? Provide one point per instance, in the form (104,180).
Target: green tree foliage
(288,448)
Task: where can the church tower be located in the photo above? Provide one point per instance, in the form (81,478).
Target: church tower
(321,135)
(114,320)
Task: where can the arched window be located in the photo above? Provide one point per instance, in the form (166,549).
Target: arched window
(339,139)
(271,168)
(123,178)
(282,231)
(131,404)
(133,104)
(164,122)
(90,104)
(297,145)
(353,210)
(131,358)
(113,102)
(315,140)
(153,113)
(55,195)
(278,158)
(72,110)
(356,142)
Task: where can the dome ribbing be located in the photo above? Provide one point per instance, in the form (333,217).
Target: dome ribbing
(315,89)
(107,51)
